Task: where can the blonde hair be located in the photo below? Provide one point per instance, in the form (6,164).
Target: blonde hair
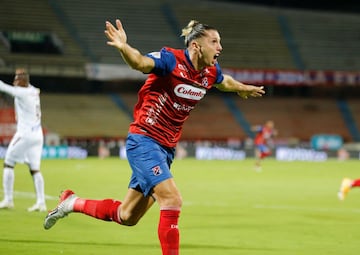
(194,30)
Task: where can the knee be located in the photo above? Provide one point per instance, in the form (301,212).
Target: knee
(174,201)
(178,201)
(128,219)
(129,216)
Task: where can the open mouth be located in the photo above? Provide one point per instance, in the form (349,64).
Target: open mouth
(216,57)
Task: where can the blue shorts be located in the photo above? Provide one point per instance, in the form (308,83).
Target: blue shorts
(150,162)
(262,148)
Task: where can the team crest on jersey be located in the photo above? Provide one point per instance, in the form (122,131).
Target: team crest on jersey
(205,82)
(157,170)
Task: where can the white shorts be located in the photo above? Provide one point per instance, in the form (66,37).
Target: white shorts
(26,147)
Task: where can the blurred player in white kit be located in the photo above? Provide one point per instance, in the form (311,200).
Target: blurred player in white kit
(26,145)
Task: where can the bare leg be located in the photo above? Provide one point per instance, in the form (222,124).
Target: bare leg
(134,206)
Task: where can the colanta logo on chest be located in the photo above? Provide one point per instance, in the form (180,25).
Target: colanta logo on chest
(189,92)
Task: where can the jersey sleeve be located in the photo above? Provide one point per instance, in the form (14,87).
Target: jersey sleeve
(164,62)
(219,74)
(8,89)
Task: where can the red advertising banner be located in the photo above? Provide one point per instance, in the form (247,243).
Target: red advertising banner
(295,78)
(7,123)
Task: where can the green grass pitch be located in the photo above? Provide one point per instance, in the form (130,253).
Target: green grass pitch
(289,208)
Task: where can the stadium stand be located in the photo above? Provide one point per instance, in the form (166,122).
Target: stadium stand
(253,36)
(145,23)
(37,16)
(326,41)
(83,115)
(299,118)
(354,105)
(349,117)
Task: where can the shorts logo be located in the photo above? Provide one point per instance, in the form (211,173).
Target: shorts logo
(157,170)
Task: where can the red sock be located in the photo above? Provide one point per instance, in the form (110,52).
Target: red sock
(265,154)
(356,183)
(106,209)
(168,232)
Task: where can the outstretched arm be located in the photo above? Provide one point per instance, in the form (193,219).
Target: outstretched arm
(8,89)
(229,84)
(118,39)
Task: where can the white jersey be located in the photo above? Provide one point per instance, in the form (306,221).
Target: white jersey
(27,106)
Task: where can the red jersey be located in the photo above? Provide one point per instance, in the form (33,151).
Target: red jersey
(263,135)
(171,91)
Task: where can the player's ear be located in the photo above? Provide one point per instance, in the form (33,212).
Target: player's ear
(194,44)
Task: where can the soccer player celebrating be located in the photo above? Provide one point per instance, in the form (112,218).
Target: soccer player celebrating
(178,79)
(264,134)
(26,145)
(346,185)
